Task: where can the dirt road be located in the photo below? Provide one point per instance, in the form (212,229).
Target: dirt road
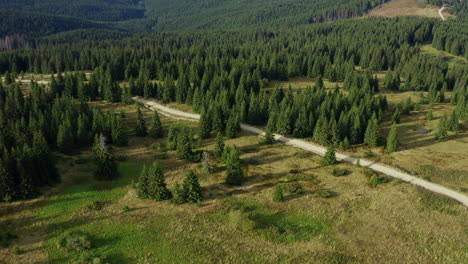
(317,149)
(440,13)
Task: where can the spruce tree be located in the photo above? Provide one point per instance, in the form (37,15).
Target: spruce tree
(268,139)
(143,184)
(65,137)
(442,130)
(372,132)
(7,185)
(140,130)
(172,138)
(330,157)
(178,194)
(204,126)
(118,132)
(233,126)
(219,147)
(453,122)
(157,188)
(392,139)
(184,145)
(206,163)
(155,130)
(192,188)
(234,172)
(106,167)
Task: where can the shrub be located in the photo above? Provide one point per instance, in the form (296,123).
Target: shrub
(96,205)
(18,251)
(75,241)
(126,208)
(375,180)
(340,172)
(293,188)
(323,193)
(278,194)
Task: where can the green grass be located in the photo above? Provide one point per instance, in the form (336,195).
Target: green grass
(437,202)
(451,59)
(67,211)
(274,225)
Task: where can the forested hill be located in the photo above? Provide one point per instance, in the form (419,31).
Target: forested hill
(223,14)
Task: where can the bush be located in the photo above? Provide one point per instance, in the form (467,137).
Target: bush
(301,177)
(323,193)
(75,241)
(96,205)
(375,180)
(293,188)
(6,237)
(340,172)
(278,194)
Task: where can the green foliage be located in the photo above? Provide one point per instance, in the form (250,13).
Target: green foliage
(340,172)
(152,184)
(234,172)
(140,130)
(155,130)
(442,130)
(268,139)
(233,126)
(392,139)
(438,202)
(6,237)
(178,194)
(330,157)
(191,188)
(219,146)
(75,241)
(323,193)
(172,137)
(184,145)
(207,165)
(106,167)
(278,194)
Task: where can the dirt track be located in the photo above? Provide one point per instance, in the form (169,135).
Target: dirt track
(317,149)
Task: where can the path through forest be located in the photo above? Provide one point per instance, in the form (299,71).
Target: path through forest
(317,149)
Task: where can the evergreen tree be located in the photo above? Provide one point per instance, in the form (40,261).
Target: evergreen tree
(233,126)
(204,126)
(392,139)
(155,130)
(184,145)
(106,167)
(157,188)
(140,130)
(178,194)
(7,185)
(330,157)
(453,122)
(118,133)
(192,188)
(234,173)
(442,131)
(430,115)
(278,194)
(268,138)
(143,184)
(172,136)
(219,147)
(372,132)
(65,137)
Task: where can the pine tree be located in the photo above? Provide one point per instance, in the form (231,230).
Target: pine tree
(330,157)
(118,133)
(268,138)
(204,126)
(442,131)
(278,194)
(219,147)
(7,185)
(140,130)
(106,167)
(392,139)
(234,173)
(178,194)
(192,188)
(233,126)
(184,145)
(155,130)
(143,184)
(453,122)
(172,136)
(372,132)
(430,115)
(65,137)
(157,188)
(82,134)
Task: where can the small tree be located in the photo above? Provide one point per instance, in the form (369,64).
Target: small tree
(178,194)
(234,173)
(392,139)
(233,126)
(143,184)
(204,126)
(140,130)
(442,131)
(172,138)
(219,147)
(106,167)
(278,194)
(453,123)
(157,188)
(184,145)
(155,130)
(206,162)
(430,115)
(268,139)
(330,157)
(192,188)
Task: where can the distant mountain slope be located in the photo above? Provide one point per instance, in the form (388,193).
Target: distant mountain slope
(202,14)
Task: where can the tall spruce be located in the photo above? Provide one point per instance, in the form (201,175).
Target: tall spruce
(140,130)
(155,130)
(392,139)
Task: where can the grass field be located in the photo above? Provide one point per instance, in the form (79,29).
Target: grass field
(451,59)
(390,223)
(406,8)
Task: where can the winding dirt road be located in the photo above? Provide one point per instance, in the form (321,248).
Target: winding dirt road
(317,149)
(440,13)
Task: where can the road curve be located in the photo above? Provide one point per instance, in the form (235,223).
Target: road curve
(440,13)
(317,149)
